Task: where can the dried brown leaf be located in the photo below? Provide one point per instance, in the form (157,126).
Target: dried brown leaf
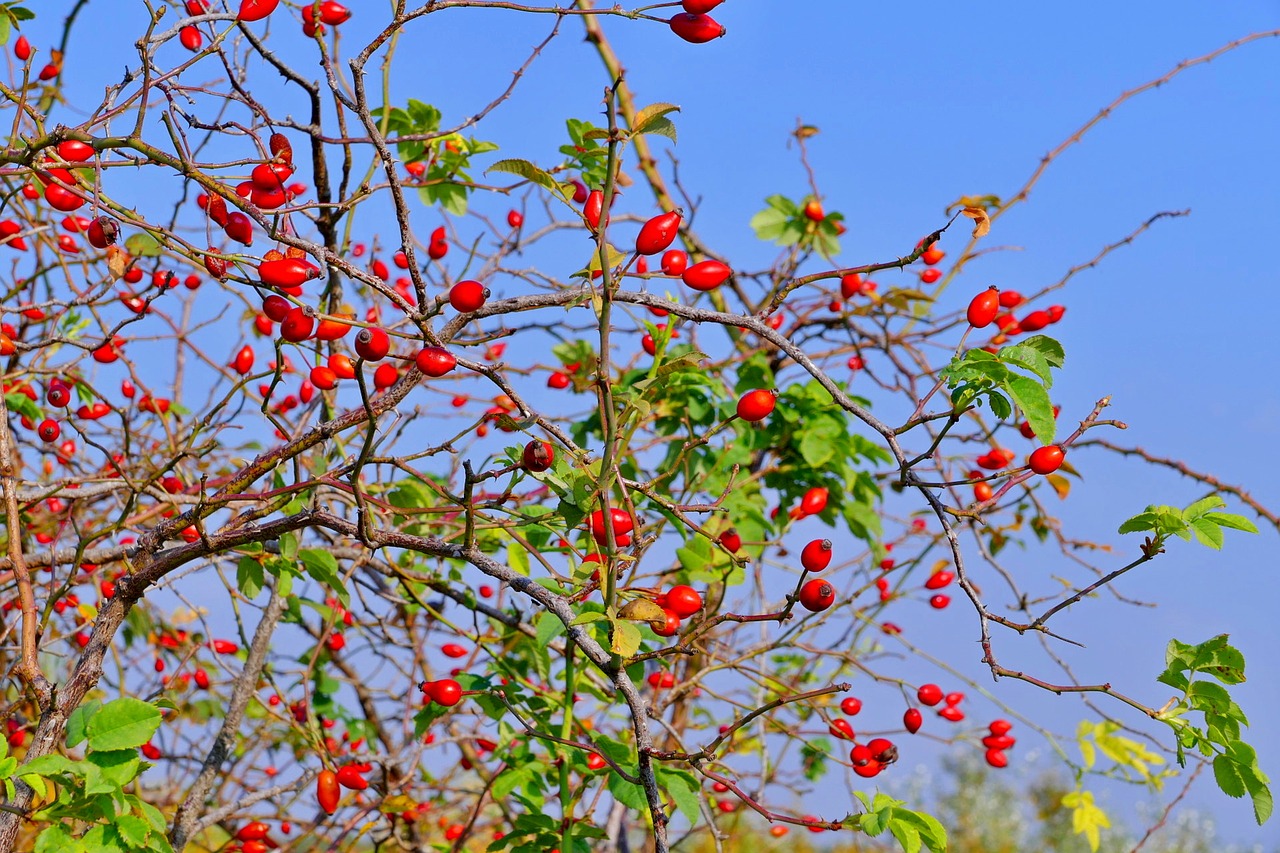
(981,221)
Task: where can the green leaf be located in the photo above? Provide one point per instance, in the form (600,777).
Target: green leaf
(529,172)
(1207,533)
(631,796)
(249,577)
(908,836)
(683,788)
(124,723)
(651,119)
(518,558)
(323,567)
(133,830)
(1140,522)
(142,245)
(21,404)
(548,627)
(1235,522)
(1033,400)
(56,838)
(1229,775)
(79,718)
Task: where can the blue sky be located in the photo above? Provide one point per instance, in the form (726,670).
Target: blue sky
(919,105)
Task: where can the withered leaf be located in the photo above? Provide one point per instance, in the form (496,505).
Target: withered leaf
(981,221)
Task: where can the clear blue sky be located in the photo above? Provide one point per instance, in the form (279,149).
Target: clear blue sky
(919,104)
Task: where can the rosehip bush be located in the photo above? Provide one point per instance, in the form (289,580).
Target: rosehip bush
(359,478)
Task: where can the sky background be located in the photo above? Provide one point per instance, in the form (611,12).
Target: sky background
(918,105)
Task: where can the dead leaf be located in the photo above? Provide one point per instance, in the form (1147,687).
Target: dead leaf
(981,221)
(117,261)
(642,610)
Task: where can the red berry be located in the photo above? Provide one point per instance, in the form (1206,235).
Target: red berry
(731,540)
(817,595)
(669,625)
(1010,299)
(912,719)
(515,218)
(938,580)
(49,430)
(243,362)
(1046,460)
(700,7)
(939,602)
(1034,321)
(446,692)
(298,324)
(696,29)
(814,500)
(674,262)
(851,705)
(191,38)
(706,275)
(997,758)
(983,308)
(658,233)
(22,49)
(840,728)
(434,361)
(592,208)
(558,380)
(816,556)
(929,694)
(538,456)
(256,10)
(1001,727)
(328,791)
(287,272)
(757,404)
(684,600)
(466,296)
(952,713)
(372,344)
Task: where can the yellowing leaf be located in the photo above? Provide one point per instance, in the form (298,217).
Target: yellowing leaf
(117,261)
(1060,484)
(642,610)
(626,639)
(1086,818)
(981,221)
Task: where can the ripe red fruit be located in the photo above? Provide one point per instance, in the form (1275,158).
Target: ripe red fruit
(658,233)
(814,500)
(813,211)
(851,705)
(882,750)
(1056,312)
(912,719)
(929,694)
(372,344)
(983,308)
(592,208)
(327,790)
(998,742)
(538,456)
(939,602)
(49,430)
(982,492)
(243,361)
(558,380)
(466,296)
(75,151)
(669,625)
(695,29)
(951,713)
(683,600)
(102,232)
(1035,321)
(287,272)
(816,556)
(817,595)
(255,831)
(333,13)
(446,692)
(348,776)
(756,405)
(22,49)
(256,10)
(620,521)
(938,580)
(385,376)
(706,275)
(515,218)
(700,7)
(434,361)
(1047,459)
(191,38)
(239,228)
(731,540)
(930,275)
(276,307)
(997,758)
(298,324)
(840,728)
(1001,727)
(674,262)
(1010,299)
